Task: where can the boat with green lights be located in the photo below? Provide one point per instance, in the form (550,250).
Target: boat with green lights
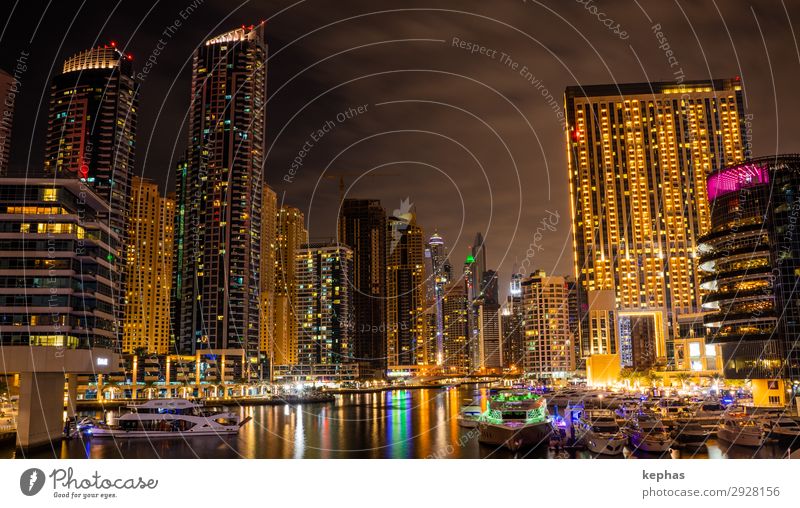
(515,419)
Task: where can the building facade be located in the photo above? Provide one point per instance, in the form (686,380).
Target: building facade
(638,157)
(362,227)
(406,326)
(455,330)
(220,196)
(751,260)
(148,270)
(548,352)
(269,239)
(291,234)
(324,304)
(57,274)
(91,126)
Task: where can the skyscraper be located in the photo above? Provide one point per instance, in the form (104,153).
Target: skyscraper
(438,279)
(638,157)
(91,126)
(362,227)
(750,261)
(221,194)
(405,292)
(291,234)
(455,304)
(148,269)
(478,268)
(324,304)
(490,347)
(63,299)
(511,321)
(269,238)
(7,102)
(548,352)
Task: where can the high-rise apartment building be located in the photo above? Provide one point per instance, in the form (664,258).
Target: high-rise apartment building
(750,260)
(362,227)
(511,322)
(324,304)
(478,265)
(269,239)
(91,126)
(291,234)
(406,327)
(489,344)
(638,157)
(56,274)
(220,195)
(548,351)
(148,270)
(455,331)
(439,277)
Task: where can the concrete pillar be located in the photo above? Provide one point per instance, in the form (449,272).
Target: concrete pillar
(72,394)
(100,387)
(41,409)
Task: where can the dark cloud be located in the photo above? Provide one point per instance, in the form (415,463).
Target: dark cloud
(467,137)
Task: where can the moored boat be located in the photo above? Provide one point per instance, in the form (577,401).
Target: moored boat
(515,419)
(743,430)
(647,433)
(597,429)
(469,415)
(170,418)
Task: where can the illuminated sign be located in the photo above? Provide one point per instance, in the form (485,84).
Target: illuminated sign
(102,362)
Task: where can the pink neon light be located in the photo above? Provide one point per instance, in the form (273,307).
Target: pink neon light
(736,178)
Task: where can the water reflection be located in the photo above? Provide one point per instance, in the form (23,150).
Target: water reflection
(393,424)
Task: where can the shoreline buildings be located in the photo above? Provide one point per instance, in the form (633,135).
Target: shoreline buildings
(638,157)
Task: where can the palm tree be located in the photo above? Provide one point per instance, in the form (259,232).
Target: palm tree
(652,377)
(625,375)
(683,377)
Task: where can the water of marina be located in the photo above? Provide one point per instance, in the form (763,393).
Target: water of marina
(392,424)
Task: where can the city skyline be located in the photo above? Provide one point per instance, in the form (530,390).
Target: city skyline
(163,102)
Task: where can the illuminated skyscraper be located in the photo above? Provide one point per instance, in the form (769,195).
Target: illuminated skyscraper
(405,292)
(324,304)
(478,268)
(455,332)
(638,157)
(511,321)
(91,126)
(548,349)
(751,260)
(221,194)
(362,227)
(438,278)
(269,234)
(291,234)
(148,270)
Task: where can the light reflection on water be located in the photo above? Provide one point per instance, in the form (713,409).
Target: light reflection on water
(394,424)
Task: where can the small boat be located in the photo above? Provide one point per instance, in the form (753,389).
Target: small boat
(648,434)
(671,410)
(597,429)
(515,419)
(170,418)
(741,429)
(627,409)
(784,429)
(692,434)
(469,415)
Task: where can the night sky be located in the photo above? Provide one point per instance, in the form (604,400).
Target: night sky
(470,138)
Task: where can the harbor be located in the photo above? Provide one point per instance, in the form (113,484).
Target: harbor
(422,423)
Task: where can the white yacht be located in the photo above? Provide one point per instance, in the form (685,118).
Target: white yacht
(170,418)
(515,419)
(648,434)
(741,429)
(692,433)
(597,429)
